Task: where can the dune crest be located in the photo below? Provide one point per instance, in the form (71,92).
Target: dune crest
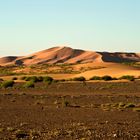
(63,54)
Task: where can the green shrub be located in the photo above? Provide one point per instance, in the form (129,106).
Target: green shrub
(95,78)
(32,78)
(40,79)
(47,79)
(5,71)
(29,84)
(128,77)
(27,79)
(81,78)
(107,78)
(6,84)
(132,79)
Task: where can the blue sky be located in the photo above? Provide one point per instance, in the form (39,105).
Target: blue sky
(27,26)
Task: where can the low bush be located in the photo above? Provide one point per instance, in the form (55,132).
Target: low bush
(81,78)
(6,84)
(47,79)
(95,78)
(29,84)
(128,77)
(107,78)
(114,78)
(40,79)
(34,79)
(37,79)
(27,79)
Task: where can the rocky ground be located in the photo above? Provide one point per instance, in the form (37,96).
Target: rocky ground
(71,111)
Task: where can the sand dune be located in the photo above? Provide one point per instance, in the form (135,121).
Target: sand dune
(68,55)
(5,60)
(119,57)
(112,69)
(93,63)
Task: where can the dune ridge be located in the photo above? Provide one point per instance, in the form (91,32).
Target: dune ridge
(63,54)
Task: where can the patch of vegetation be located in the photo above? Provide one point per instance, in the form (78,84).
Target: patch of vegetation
(95,78)
(81,78)
(32,78)
(106,107)
(47,79)
(6,84)
(114,78)
(128,77)
(40,79)
(119,106)
(107,78)
(4,71)
(11,129)
(29,84)
(134,64)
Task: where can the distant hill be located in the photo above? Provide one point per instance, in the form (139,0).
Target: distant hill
(68,55)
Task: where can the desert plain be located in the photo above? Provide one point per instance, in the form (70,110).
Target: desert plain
(68,94)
